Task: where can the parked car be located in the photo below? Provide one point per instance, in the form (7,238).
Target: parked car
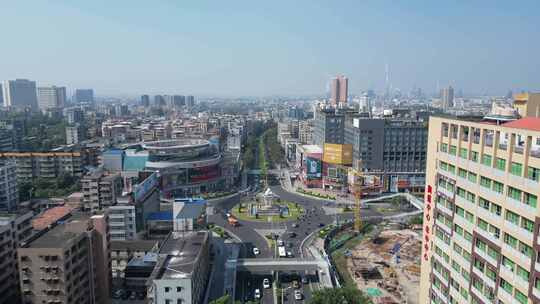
(257,294)
(295,284)
(280,242)
(297,295)
(256,251)
(266,283)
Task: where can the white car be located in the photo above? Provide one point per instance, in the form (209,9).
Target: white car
(297,295)
(266,283)
(289,254)
(256,251)
(280,243)
(257,294)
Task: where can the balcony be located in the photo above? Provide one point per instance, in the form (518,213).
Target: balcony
(535,152)
(486,257)
(487,281)
(439,294)
(443,226)
(518,232)
(480,295)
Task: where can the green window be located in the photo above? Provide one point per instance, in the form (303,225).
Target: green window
(496,232)
(530,199)
(461,192)
(463,153)
(462,173)
(500,163)
(457,248)
(443,166)
(512,217)
(486,159)
(479,265)
(506,286)
(482,224)
(444,147)
(491,274)
(483,203)
(469,216)
(493,253)
(464,293)
(474,156)
(533,173)
(468,236)
(452,168)
(520,297)
(525,249)
(452,150)
(498,187)
(471,197)
(509,264)
(522,273)
(510,240)
(514,193)
(485,182)
(472,177)
(527,224)
(516,168)
(537,283)
(496,209)
(466,256)
(481,245)
(465,275)
(458,229)
(460,211)
(456,266)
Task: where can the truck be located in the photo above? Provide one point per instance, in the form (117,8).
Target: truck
(282,252)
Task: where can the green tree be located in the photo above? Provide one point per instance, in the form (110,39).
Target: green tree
(344,295)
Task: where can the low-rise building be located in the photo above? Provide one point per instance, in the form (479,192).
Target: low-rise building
(189,214)
(122,252)
(100,189)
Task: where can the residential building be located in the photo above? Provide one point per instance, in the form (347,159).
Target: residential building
(83,96)
(75,134)
(100,190)
(122,222)
(182,269)
(190,101)
(9,196)
(527,104)
(15,229)
(481,213)
(145,100)
(20,93)
(46,164)
(339,90)
(74,115)
(67,263)
(124,251)
(189,214)
(51,97)
(447,98)
(305,131)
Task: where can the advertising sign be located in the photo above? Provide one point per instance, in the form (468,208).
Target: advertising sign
(337,154)
(142,189)
(313,167)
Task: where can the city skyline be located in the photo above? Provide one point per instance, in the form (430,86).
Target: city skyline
(181,49)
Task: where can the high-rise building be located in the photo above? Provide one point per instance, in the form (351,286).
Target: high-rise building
(145,100)
(100,190)
(339,90)
(447,98)
(481,213)
(159,101)
(9,196)
(74,115)
(68,262)
(527,104)
(20,93)
(75,133)
(83,96)
(329,126)
(51,97)
(190,101)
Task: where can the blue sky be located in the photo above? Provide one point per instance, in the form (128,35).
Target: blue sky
(271,47)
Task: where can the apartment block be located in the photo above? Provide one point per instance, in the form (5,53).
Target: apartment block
(100,190)
(481,217)
(15,229)
(122,222)
(45,164)
(9,196)
(66,263)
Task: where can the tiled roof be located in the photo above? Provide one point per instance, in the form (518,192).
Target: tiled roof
(527,123)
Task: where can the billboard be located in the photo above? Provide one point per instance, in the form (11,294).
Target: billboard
(337,154)
(147,185)
(313,167)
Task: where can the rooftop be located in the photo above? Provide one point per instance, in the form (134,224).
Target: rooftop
(50,216)
(137,245)
(527,123)
(181,252)
(61,234)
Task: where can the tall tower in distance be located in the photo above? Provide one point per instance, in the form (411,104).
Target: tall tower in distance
(339,91)
(447,98)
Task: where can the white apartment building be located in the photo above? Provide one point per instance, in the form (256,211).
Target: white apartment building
(51,97)
(122,222)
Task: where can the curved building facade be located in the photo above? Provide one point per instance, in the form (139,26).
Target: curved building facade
(186,166)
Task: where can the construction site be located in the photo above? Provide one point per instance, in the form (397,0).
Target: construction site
(386,266)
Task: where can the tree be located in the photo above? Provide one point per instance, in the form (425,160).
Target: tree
(344,295)
(223,300)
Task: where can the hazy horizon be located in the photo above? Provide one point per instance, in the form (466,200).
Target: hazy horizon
(243,48)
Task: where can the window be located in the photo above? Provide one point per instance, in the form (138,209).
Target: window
(522,273)
(493,253)
(461,192)
(472,177)
(463,153)
(514,193)
(500,163)
(444,147)
(491,274)
(471,197)
(510,240)
(486,160)
(474,156)
(168,301)
(443,166)
(452,168)
(530,199)
(468,237)
(509,264)
(452,150)
(498,187)
(525,249)
(494,208)
(506,286)
(462,173)
(167,289)
(527,224)
(179,301)
(482,224)
(522,299)
(485,182)
(516,168)
(481,245)
(512,217)
(483,203)
(533,173)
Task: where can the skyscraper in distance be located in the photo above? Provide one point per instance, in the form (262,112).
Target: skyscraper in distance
(339,90)
(51,97)
(145,100)
(83,96)
(447,98)
(20,93)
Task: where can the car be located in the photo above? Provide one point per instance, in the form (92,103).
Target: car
(133,296)
(321,224)
(297,295)
(289,254)
(117,294)
(295,284)
(266,283)
(257,293)
(289,245)
(256,251)
(305,280)
(292,234)
(280,242)
(295,225)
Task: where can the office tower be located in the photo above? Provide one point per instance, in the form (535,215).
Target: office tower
(83,96)
(179,100)
(329,126)
(339,91)
(527,104)
(159,101)
(9,196)
(481,216)
(20,93)
(145,100)
(364,105)
(15,228)
(121,110)
(51,97)
(190,101)
(447,98)
(67,263)
(74,115)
